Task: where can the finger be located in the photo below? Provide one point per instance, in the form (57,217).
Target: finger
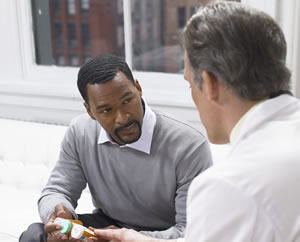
(111,227)
(51,227)
(109,234)
(54,236)
(91,228)
(64,237)
(72,239)
(61,211)
(92,239)
(52,217)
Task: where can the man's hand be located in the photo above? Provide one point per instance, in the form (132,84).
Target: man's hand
(51,228)
(122,235)
(102,239)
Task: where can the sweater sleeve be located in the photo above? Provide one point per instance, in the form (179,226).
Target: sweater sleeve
(192,162)
(66,181)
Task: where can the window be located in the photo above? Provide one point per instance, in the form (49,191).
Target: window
(80,32)
(149,30)
(192,10)
(181,17)
(57,7)
(120,6)
(34,87)
(120,36)
(72,41)
(85,34)
(58,34)
(86,57)
(60,59)
(84,7)
(74,61)
(71,7)
(155,37)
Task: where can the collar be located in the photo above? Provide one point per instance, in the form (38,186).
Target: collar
(267,111)
(235,132)
(144,142)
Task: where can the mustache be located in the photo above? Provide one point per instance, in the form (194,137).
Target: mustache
(126,125)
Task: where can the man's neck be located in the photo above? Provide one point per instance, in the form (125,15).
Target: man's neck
(234,112)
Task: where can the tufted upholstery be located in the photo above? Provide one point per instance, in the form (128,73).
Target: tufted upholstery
(28,152)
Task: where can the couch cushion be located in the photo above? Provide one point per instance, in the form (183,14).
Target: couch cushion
(28,152)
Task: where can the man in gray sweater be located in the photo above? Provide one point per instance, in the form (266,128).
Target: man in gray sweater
(137,162)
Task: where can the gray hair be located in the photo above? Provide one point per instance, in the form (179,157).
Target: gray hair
(239,45)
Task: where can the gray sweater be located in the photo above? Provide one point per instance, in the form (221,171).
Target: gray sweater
(145,192)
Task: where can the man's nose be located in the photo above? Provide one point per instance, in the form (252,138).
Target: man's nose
(122,118)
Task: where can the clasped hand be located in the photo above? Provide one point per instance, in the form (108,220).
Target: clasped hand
(110,233)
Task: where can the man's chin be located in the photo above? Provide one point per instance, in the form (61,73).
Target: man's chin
(129,137)
(129,141)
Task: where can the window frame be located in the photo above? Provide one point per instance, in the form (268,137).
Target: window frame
(168,83)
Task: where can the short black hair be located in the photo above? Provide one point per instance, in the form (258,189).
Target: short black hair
(101,69)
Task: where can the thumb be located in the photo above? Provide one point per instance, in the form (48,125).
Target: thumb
(62,212)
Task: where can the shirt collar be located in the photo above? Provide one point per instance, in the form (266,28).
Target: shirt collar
(237,128)
(144,142)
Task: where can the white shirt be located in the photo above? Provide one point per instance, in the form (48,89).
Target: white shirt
(253,196)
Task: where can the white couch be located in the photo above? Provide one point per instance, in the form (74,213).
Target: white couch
(28,152)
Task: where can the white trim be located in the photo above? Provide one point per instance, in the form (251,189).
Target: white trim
(10,64)
(289,19)
(296,52)
(165,89)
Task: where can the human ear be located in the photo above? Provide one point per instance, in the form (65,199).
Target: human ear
(88,109)
(210,86)
(138,87)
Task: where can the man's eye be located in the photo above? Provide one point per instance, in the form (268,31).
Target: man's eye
(107,110)
(128,100)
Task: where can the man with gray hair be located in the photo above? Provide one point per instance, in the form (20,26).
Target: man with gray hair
(235,62)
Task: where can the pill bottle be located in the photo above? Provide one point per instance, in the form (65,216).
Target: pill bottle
(66,224)
(82,233)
